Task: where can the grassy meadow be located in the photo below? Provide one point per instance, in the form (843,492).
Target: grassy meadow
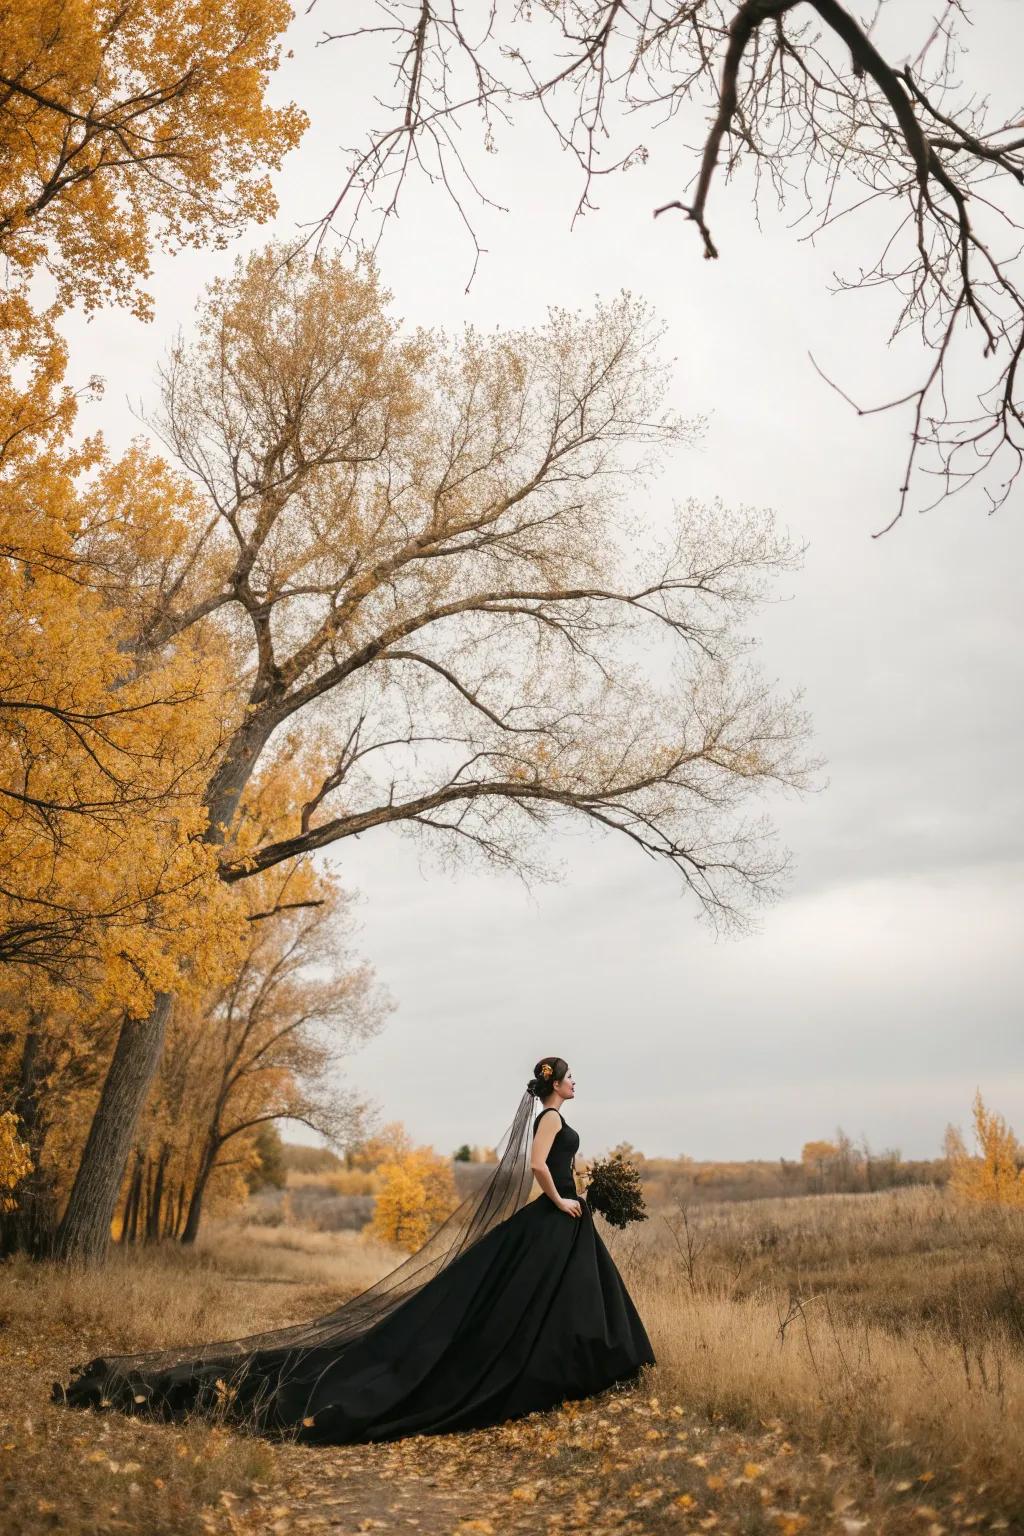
(888,1324)
(836,1363)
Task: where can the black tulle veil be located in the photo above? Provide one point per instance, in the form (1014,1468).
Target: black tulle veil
(224,1362)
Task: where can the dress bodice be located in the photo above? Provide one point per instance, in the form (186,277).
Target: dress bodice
(561,1156)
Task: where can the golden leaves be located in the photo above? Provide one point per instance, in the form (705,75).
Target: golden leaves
(105,745)
(790,1523)
(995,1175)
(171,82)
(15,1160)
(417,1193)
(103,757)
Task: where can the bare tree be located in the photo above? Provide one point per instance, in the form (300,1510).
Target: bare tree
(830,120)
(435,561)
(448,611)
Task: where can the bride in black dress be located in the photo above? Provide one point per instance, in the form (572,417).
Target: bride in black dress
(513,1305)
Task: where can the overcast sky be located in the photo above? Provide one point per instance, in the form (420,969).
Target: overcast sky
(886,985)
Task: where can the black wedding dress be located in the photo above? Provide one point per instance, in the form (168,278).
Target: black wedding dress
(517,1313)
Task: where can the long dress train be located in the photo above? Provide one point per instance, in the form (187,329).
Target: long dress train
(530,1314)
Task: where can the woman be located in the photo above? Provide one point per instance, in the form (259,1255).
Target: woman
(512,1305)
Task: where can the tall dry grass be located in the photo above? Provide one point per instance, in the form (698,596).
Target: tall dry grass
(892,1324)
(225,1287)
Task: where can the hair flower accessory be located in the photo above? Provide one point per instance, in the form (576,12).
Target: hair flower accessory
(546,1070)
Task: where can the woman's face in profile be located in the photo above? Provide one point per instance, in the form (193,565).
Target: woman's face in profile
(567,1086)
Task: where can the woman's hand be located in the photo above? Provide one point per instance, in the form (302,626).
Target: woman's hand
(571,1207)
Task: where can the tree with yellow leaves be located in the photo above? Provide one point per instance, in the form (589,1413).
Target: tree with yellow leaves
(119,127)
(125,125)
(418,1194)
(417,549)
(819,1160)
(994,1175)
(270,1042)
(391,1143)
(103,759)
(109,894)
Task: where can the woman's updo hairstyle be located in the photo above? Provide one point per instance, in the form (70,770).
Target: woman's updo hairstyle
(547,1071)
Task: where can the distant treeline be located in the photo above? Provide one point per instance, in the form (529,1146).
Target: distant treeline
(302,1159)
(825,1167)
(685,1180)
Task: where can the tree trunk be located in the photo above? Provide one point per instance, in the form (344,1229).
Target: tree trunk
(28,1228)
(130,1221)
(133,1225)
(172,1220)
(156,1203)
(147,1231)
(195,1205)
(84,1231)
(225,788)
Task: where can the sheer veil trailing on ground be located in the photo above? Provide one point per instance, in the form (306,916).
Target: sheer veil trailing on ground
(504,1193)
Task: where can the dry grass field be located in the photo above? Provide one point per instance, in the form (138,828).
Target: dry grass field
(846,1364)
(890,1325)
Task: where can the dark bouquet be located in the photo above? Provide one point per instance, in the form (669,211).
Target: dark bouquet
(614,1191)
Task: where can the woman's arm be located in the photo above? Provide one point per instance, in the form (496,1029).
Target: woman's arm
(543,1137)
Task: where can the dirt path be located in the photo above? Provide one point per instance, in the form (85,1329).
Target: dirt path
(620,1465)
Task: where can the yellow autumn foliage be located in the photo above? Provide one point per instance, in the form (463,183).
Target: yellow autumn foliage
(105,879)
(994,1175)
(123,126)
(15,1160)
(817,1154)
(391,1144)
(418,1192)
(132,123)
